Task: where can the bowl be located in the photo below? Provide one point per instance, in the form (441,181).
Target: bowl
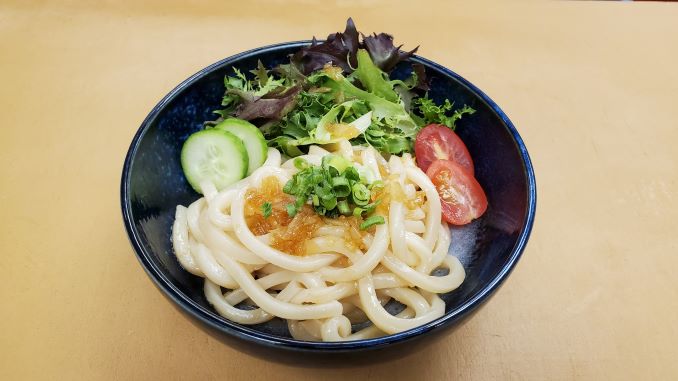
(153,185)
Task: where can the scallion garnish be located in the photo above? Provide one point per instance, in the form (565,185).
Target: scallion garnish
(371,221)
(266,209)
(341,186)
(333,188)
(300,163)
(343,207)
(360,194)
(291,210)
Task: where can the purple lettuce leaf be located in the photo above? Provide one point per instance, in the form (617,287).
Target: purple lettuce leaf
(384,54)
(339,49)
(274,105)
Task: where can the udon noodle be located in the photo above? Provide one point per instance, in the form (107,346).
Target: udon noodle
(337,285)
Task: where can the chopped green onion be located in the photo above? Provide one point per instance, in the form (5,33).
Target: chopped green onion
(329,202)
(341,187)
(343,207)
(352,174)
(266,209)
(324,191)
(300,163)
(299,202)
(289,186)
(291,210)
(371,221)
(369,208)
(333,188)
(361,195)
(316,176)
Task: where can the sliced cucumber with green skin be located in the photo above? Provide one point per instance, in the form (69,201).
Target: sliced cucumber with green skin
(216,156)
(251,136)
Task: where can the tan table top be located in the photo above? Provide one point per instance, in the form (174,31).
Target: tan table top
(591,86)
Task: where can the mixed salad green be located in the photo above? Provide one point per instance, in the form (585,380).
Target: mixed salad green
(330,86)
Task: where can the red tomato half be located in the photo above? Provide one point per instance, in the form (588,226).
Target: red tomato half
(461,197)
(437,141)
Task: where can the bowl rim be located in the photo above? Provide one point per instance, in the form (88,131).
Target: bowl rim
(215,321)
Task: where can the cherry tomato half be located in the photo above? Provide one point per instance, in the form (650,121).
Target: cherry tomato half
(437,141)
(461,197)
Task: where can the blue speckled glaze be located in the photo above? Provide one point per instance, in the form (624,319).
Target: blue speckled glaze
(153,184)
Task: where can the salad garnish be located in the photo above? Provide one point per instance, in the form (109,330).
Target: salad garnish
(338,82)
(335,188)
(342,89)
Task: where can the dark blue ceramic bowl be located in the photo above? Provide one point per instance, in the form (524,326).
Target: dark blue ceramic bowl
(153,185)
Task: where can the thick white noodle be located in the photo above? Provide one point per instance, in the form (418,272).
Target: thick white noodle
(433,213)
(397,229)
(439,253)
(223,242)
(415,214)
(280,278)
(208,189)
(320,299)
(331,244)
(387,322)
(181,243)
(335,328)
(213,271)
(193,215)
(273,159)
(415,226)
(216,299)
(284,310)
(370,162)
(364,264)
(437,284)
(317,151)
(217,205)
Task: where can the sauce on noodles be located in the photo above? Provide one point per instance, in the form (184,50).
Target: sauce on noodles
(270,191)
(394,192)
(290,235)
(292,238)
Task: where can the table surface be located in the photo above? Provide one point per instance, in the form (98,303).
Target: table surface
(591,86)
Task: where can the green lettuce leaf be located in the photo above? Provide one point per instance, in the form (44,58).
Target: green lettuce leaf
(432,113)
(373,79)
(394,114)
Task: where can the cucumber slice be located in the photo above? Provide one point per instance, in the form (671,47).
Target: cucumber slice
(214,155)
(251,136)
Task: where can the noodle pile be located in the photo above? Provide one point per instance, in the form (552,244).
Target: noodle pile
(335,286)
